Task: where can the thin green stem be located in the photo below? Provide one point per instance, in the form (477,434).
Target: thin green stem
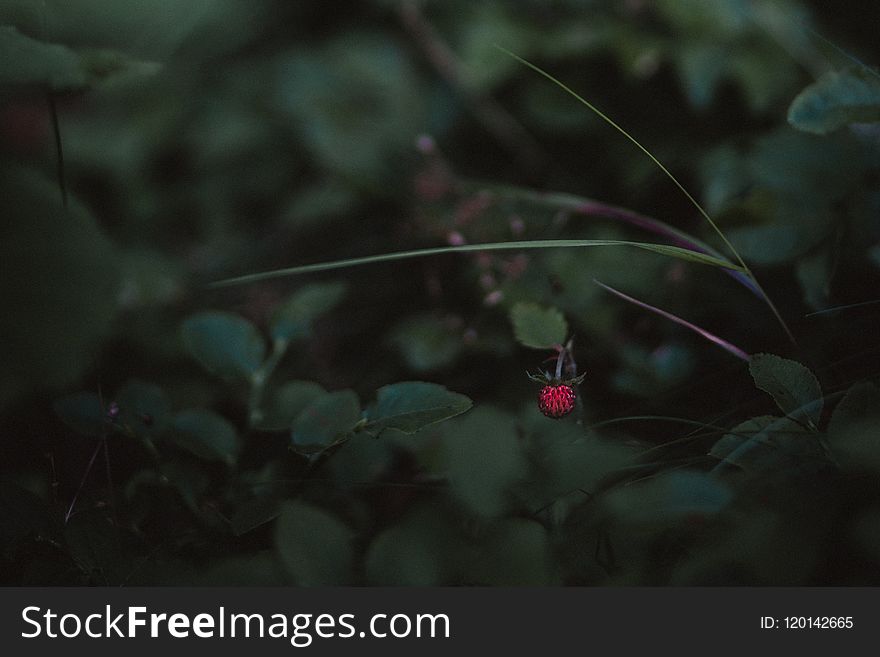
(668,174)
(665,249)
(261,377)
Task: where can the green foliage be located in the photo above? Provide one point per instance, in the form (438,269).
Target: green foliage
(413,405)
(224,344)
(293,320)
(793,387)
(837,99)
(160,428)
(538,327)
(325,420)
(205,434)
(314,546)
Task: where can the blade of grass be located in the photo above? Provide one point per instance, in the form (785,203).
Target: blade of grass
(861,304)
(665,249)
(724,344)
(668,174)
(590,207)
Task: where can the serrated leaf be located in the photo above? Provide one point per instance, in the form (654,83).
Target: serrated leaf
(325,420)
(314,546)
(412,405)
(82,412)
(538,327)
(287,402)
(293,320)
(205,434)
(225,344)
(793,387)
(837,99)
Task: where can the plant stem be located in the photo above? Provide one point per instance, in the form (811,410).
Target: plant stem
(259,379)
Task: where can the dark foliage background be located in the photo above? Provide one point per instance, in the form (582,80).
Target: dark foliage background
(158,430)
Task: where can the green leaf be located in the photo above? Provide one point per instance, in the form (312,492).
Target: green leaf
(225,344)
(82,412)
(412,405)
(314,546)
(413,552)
(287,402)
(325,420)
(426,343)
(668,497)
(483,459)
(205,434)
(764,443)
(793,387)
(517,552)
(853,428)
(535,326)
(28,62)
(255,513)
(293,320)
(837,99)
(144,407)
(63,290)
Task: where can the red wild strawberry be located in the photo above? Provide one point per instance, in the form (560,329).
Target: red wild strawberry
(558,394)
(557,400)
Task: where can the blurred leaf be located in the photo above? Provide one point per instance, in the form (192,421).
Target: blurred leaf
(255,513)
(225,344)
(567,461)
(767,443)
(357,102)
(144,407)
(814,275)
(326,419)
(668,497)
(287,402)
(205,434)
(516,553)
(189,480)
(483,459)
(60,274)
(837,99)
(293,320)
(28,62)
(82,412)
(538,327)
(417,551)
(853,428)
(412,405)
(426,343)
(793,387)
(314,546)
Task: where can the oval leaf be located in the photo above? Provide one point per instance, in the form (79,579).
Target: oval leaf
(837,99)
(205,434)
(412,405)
(793,387)
(225,344)
(325,420)
(314,546)
(535,326)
